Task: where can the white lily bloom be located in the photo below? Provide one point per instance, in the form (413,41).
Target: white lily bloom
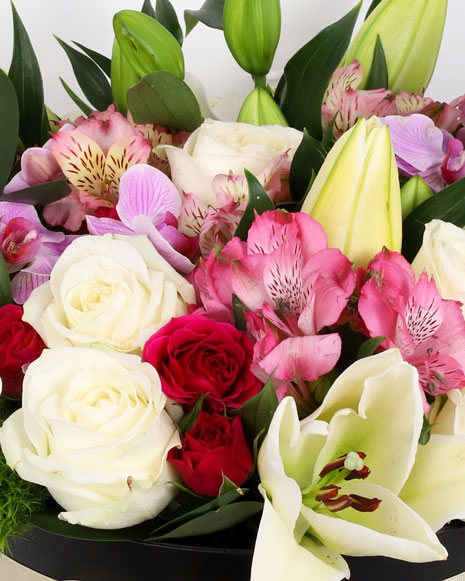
(317,506)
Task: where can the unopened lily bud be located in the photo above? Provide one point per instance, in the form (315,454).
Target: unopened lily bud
(414,193)
(123,77)
(411,33)
(252,29)
(260,108)
(356,193)
(146,44)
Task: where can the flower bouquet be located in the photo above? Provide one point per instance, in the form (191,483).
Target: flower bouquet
(240,345)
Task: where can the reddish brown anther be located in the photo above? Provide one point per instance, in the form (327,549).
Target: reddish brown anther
(358,474)
(327,492)
(363,504)
(337,504)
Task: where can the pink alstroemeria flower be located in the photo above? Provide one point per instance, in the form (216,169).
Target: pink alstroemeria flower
(297,286)
(421,148)
(28,247)
(148,204)
(428,330)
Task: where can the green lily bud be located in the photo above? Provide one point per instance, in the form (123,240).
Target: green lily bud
(123,77)
(411,34)
(356,193)
(414,193)
(252,29)
(147,45)
(260,108)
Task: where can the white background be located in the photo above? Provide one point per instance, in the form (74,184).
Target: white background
(206,55)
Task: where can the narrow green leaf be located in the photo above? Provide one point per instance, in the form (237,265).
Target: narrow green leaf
(6,296)
(166,15)
(39,195)
(328,136)
(47,520)
(26,78)
(9,123)
(77,100)
(210,14)
(425,433)
(373,5)
(101,60)
(147,8)
(258,201)
(188,420)
(368,347)
(309,71)
(215,520)
(378,77)
(123,77)
(309,157)
(238,310)
(164,99)
(447,205)
(257,412)
(90,77)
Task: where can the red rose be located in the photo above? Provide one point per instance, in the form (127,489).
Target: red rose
(19,344)
(214,446)
(195,355)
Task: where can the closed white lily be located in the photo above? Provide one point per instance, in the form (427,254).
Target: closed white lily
(331,482)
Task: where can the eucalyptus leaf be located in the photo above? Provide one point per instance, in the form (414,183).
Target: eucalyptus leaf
(378,77)
(163,98)
(77,100)
(257,412)
(90,77)
(447,205)
(9,122)
(210,14)
(39,195)
(258,202)
(309,157)
(26,78)
(368,347)
(6,296)
(166,15)
(309,71)
(101,60)
(48,520)
(213,521)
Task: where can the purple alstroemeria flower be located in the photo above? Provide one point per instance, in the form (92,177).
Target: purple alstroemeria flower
(424,149)
(30,250)
(148,204)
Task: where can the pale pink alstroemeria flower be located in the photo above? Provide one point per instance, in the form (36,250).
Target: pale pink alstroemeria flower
(29,249)
(147,203)
(428,330)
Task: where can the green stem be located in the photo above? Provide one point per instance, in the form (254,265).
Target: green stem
(260,81)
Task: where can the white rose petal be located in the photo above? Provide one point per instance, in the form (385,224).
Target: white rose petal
(94,430)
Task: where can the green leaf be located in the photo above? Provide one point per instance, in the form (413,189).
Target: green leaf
(328,136)
(229,486)
(188,420)
(258,201)
(373,5)
(6,296)
(238,311)
(163,98)
(39,195)
(368,347)
(257,412)
(309,71)
(47,520)
(9,122)
(147,8)
(194,510)
(378,77)
(101,60)
(123,77)
(425,433)
(166,15)
(77,100)
(90,77)
(216,520)
(26,78)
(309,157)
(210,14)
(447,205)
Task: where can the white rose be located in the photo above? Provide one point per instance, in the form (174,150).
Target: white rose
(110,291)
(94,431)
(218,147)
(442,255)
